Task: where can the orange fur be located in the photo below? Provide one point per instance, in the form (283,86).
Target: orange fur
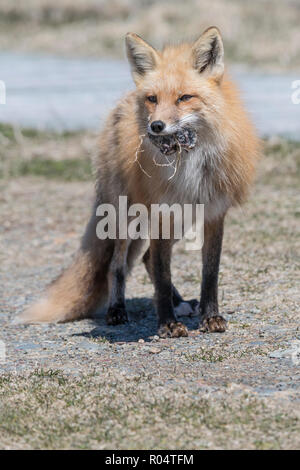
(217,173)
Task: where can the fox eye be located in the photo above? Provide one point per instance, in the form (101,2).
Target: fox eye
(185,98)
(152,98)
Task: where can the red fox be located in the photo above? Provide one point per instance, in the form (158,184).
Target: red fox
(182,95)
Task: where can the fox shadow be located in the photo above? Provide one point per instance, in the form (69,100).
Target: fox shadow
(142,324)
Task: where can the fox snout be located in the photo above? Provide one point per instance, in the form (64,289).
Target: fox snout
(157,126)
(160,127)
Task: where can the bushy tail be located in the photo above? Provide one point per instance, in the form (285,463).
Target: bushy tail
(75,293)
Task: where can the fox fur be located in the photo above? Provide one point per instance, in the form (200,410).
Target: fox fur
(190,87)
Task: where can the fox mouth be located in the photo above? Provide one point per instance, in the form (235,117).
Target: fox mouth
(168,144)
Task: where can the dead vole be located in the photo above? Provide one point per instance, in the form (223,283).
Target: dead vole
(171,143)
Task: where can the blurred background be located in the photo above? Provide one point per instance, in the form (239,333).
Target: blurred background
(63,64)
(263,33)
(63,61)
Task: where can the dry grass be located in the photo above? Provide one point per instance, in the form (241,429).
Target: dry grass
(26,151)
(261,32)
(48,410)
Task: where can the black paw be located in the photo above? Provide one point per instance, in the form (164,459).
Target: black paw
(172,330)
(116,315)
(215,324)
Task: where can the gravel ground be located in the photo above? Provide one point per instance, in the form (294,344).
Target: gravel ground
(248,375)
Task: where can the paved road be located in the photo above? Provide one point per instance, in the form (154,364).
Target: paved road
(57,93)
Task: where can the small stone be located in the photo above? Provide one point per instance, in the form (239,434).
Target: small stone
(141,340)
(154,350)
(255,310)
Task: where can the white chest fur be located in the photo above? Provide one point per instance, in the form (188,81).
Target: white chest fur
(197,181)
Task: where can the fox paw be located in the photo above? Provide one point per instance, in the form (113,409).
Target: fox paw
(116,315)
(172,330)
(215,324)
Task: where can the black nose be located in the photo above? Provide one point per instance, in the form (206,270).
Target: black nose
(157,126)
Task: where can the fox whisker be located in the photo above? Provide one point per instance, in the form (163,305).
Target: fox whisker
(177,163)
(138,150)
(164,164)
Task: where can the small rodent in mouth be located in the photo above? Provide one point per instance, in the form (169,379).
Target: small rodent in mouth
(171,143)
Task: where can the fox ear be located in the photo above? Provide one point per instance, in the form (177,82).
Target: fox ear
(208,53)
(142,57)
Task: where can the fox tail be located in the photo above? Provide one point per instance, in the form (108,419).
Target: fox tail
(78,291)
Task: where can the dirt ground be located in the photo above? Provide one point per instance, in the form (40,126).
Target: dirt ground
(89,385)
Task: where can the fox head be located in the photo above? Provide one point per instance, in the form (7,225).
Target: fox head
(177,87)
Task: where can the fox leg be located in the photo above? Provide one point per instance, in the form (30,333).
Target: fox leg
(116,312)
(160,258)
(181,307)
(133,252)
(211,253)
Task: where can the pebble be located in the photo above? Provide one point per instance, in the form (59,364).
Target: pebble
(154,350)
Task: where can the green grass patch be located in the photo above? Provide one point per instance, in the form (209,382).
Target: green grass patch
(206,355)
(280,147)
(67,170)
(12,132)
(30,152)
